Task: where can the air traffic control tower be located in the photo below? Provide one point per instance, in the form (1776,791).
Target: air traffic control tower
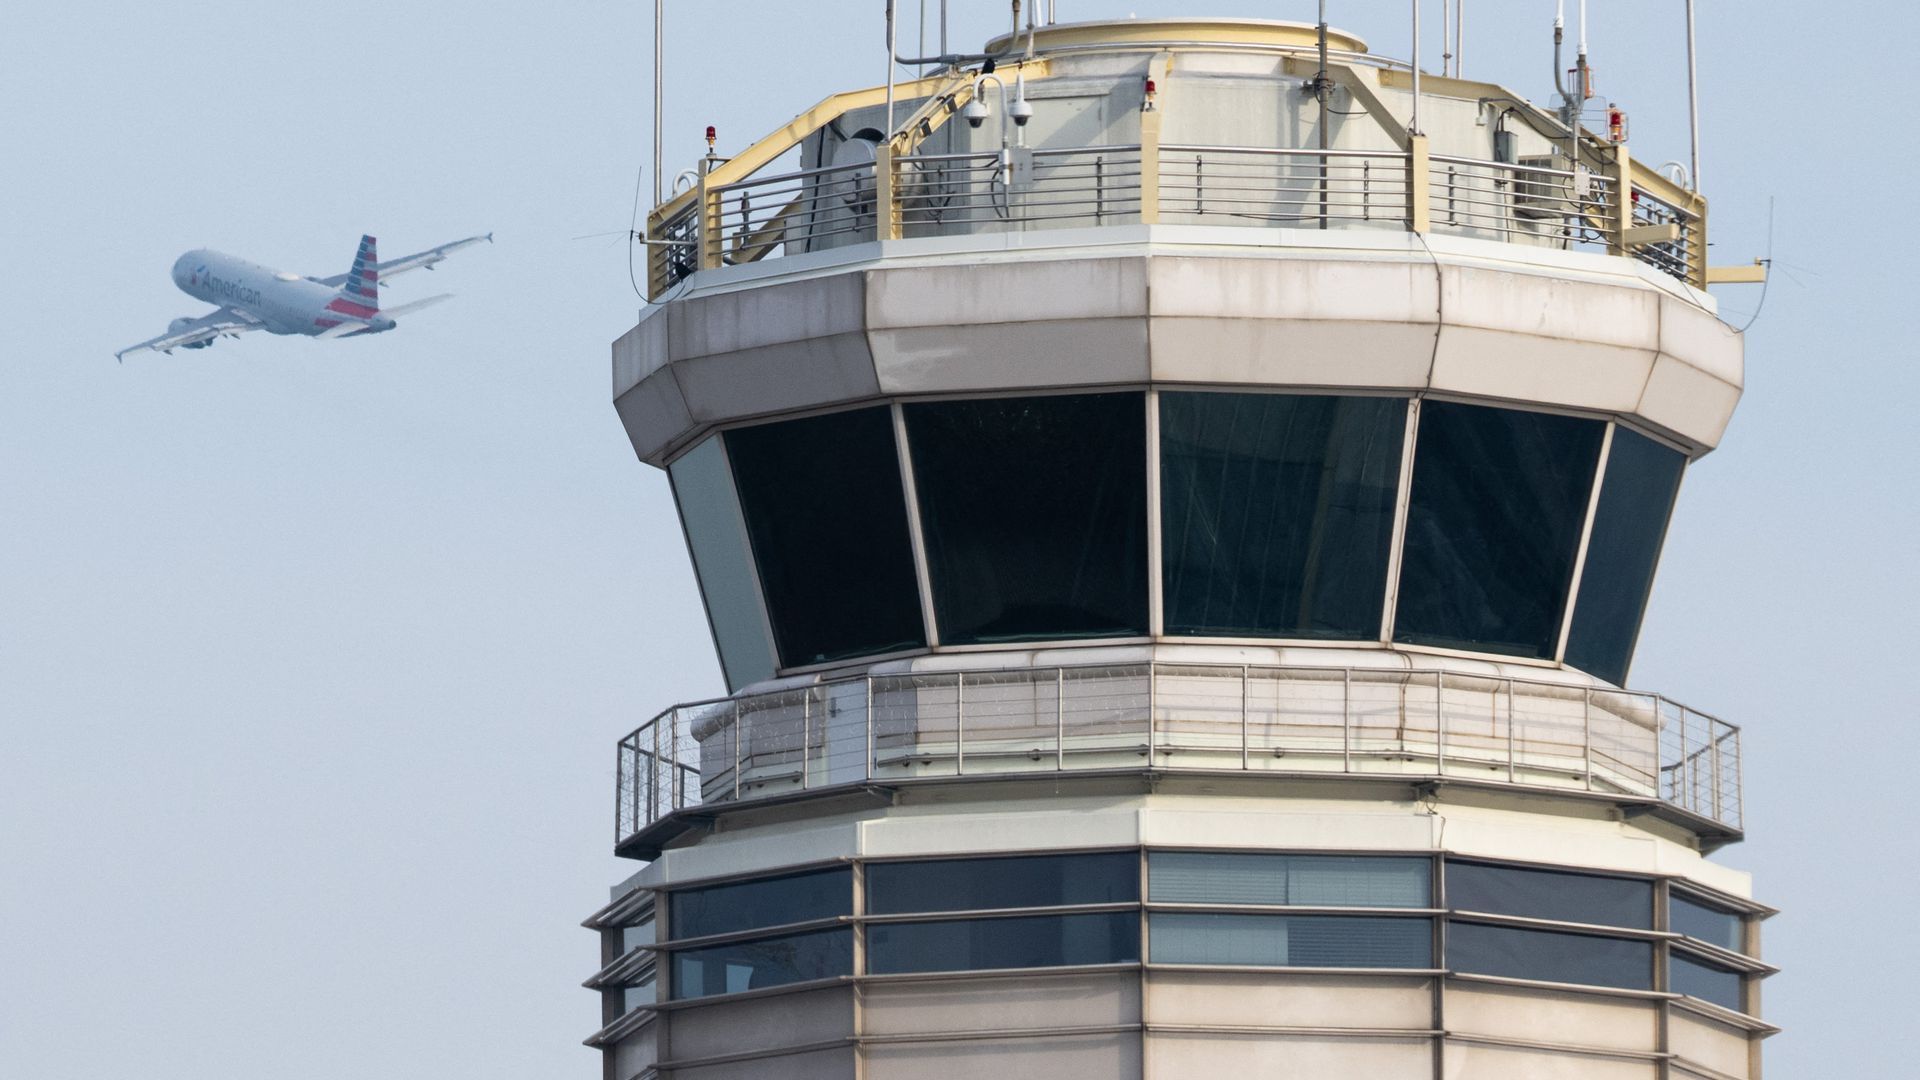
(1175,502)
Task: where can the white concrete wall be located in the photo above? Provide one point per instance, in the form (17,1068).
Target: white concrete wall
(1179,306)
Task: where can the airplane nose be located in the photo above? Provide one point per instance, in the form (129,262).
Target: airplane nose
(185,265)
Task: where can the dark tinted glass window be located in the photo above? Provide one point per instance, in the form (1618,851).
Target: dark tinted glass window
(1026,941)
(749,905)
(1277,512)
(758,964)
(1035,515)
(979,884)
(717,540)
(1549,956)
(824,506)
(1291,940)
(1706,923)
(1493,527)
(1708,982)
(1550,894)
(1629,525)
(1207,877)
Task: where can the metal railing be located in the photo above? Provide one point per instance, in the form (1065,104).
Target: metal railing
(945,194)
(1179,717)
(1564,208)
(1226,185)
(1685,255)
(929,194)
(797,211)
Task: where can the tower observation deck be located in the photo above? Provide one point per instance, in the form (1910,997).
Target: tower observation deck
(1176,561)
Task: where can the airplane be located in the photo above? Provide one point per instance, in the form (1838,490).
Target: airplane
(254,297)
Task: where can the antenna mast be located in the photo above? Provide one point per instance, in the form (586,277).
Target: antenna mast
(659,52)
(1693,101)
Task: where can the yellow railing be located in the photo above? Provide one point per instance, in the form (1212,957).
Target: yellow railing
(1603,201)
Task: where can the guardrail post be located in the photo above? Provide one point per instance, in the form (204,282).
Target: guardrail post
(870,770)
(1060,719)
(1439,723)
(1419,183)
(1716,777)
(1739,783)
(1681,765)
(1586,718)
(960,723)
(643,816)
(1620,213)
(1153,698)
(806,734)
(1696,233)
(739,750)
(708,233)
(676,787)
(886,195)
(1150,167)
(1512,765)
(657,255)
(1245,680)
(1346,720)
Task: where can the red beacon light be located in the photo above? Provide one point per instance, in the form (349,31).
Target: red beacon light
(1616,124)
(711,135)
(1147,105)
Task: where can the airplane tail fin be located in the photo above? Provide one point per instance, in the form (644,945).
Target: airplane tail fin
(363,281)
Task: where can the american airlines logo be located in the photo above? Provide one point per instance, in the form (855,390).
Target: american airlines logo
(229,290)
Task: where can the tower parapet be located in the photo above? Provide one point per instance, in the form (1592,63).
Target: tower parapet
(1180,550)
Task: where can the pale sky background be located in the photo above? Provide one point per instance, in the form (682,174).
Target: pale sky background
(313,655)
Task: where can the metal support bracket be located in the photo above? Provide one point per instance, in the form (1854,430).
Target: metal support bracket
(1738,275)
(1642,235)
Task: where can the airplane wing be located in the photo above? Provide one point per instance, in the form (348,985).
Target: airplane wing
(416,261)
(187,333)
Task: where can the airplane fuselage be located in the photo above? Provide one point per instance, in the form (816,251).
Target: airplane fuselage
(285,303)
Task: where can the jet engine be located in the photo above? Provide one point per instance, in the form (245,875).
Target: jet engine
(178,325)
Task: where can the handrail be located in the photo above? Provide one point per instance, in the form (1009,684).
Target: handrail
(1174,717)
(782,139)
(1595,201)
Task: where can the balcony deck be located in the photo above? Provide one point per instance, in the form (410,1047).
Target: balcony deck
(1636,749)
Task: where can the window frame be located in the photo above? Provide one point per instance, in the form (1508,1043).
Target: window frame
(1440,915)
(1154,550)
(916,553)
(916,511)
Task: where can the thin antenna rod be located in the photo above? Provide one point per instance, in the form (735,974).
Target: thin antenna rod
(1414,127)
(659,52)
(1693,100)
(1459,35)
(1446,38)
(893,54)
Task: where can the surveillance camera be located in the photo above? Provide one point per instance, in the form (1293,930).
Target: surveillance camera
(975,112)
(1021,111)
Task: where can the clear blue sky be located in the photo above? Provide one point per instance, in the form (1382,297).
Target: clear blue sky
(313,655)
